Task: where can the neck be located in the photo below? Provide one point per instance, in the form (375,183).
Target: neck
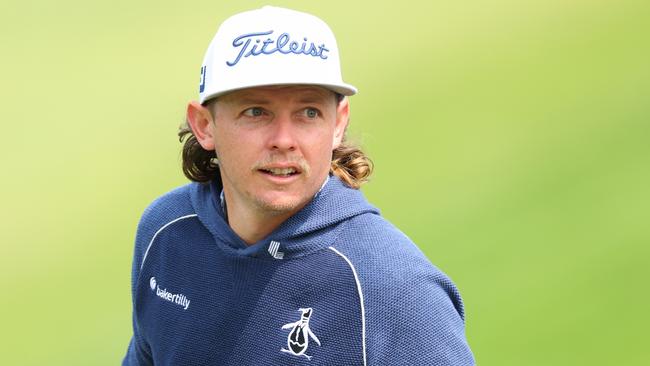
(251,225)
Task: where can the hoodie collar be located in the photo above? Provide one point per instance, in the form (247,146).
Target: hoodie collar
(314,227)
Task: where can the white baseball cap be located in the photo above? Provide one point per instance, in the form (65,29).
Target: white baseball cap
(271,46)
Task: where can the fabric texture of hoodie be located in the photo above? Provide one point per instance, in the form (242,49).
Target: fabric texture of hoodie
(335,284)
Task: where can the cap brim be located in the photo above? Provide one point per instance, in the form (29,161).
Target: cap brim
(343,89)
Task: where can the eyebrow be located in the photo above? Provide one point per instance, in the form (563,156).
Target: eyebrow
(255,101)
(309,99)
(306,96)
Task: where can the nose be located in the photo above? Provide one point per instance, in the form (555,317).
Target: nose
(282,134)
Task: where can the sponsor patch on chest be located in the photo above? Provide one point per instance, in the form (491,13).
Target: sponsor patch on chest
(178,299)
(299,334)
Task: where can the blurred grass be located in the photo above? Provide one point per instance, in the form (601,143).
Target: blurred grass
(510,142)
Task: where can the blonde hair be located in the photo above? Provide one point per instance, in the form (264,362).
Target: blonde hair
(351,165)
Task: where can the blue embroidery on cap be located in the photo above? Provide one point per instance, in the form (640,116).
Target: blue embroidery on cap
(270,46)
(202,81)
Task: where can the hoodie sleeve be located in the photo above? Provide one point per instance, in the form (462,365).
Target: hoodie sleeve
(418,322)
(138,353)
(414,312)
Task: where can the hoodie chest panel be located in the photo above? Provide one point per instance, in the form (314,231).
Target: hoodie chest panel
(205,308)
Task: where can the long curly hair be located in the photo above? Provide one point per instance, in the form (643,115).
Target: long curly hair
(349,163)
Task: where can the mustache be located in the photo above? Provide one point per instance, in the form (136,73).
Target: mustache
(298,161)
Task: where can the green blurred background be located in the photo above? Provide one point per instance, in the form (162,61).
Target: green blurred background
(511,142)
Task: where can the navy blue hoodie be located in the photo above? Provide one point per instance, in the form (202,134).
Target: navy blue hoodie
(335,284)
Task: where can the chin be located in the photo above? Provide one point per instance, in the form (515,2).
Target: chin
(281,206)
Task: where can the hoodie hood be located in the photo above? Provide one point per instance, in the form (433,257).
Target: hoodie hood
(314,227)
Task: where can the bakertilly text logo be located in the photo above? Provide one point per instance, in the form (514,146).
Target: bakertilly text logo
(178,299)
(282,44)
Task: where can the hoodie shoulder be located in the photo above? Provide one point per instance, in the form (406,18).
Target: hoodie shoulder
(169,206)
(378,239)
(400,288)
(388,257)
(163,210)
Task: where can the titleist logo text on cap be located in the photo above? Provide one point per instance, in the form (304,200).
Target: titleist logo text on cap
(283,44)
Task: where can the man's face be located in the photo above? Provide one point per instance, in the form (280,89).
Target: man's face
(274,145)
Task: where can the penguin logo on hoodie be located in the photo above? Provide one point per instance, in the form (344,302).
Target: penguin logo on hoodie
(298,339)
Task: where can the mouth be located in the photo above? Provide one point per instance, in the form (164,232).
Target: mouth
(280,172)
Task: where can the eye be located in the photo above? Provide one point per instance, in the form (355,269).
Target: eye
(254,112)
(311,113)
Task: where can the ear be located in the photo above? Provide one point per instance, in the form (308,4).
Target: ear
(342,119)
(201,123)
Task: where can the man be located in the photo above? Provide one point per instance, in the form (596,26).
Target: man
(272,256)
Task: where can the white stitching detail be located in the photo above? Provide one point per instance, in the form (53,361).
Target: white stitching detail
(158,232)
(363,311)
